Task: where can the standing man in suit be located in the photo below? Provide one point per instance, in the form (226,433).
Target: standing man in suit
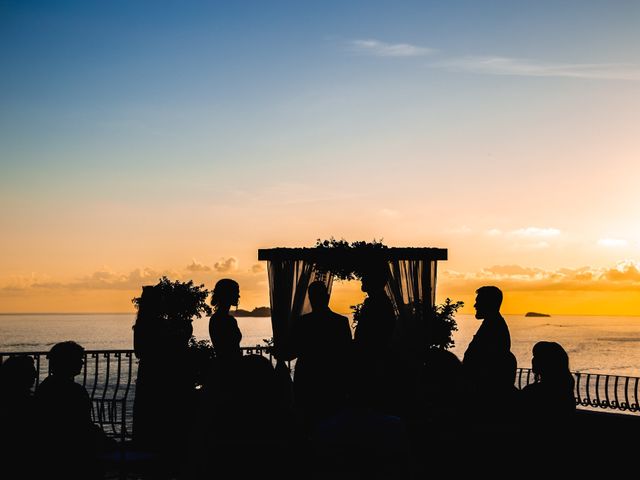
(322,346)
(489,366)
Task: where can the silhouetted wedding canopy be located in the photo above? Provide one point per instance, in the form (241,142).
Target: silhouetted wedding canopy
(411,281)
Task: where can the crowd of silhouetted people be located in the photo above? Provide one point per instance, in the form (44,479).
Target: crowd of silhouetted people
(49,433)
(354,407)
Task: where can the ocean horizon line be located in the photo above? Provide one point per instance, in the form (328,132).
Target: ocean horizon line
(65,313)
(551,315)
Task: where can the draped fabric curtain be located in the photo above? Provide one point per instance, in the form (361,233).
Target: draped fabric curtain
(288,284)
(411,288)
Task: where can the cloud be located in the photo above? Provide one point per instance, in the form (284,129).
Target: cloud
(612,242)
(528,237)
(624,276)
(19,283)
(257,268)
(461,230)
(496,65)
(108,280)
(500,65)
(283,194)
(536,232)
(382,49)
(533,245)
(512,270)
(626,271)
(197,267)
(388,212)
(226,265)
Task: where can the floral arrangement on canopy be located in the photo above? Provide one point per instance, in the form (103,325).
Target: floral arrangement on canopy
(349,262)
(348,259)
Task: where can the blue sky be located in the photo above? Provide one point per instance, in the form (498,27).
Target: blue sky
(160,77)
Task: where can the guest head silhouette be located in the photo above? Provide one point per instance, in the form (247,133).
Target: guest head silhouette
(226,293)
(550,362)
(488,301)
(549,403)
(66,359)
(149,303)
(374,279)
(318,296)
(17,375)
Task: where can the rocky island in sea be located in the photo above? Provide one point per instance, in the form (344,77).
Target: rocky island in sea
(536,314)
(256,312)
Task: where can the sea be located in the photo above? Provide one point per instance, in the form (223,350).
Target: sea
(595,344)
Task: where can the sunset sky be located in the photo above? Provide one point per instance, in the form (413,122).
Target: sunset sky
(141,138)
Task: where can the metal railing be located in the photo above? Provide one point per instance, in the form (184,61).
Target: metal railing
(109,378)
(597,390)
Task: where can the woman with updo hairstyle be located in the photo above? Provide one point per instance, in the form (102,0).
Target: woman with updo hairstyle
(550,399)
(212,442)
(223,328)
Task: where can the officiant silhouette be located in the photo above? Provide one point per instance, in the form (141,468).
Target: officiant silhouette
(372,339)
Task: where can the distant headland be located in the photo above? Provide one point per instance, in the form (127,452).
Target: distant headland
(536,314)
(256,312)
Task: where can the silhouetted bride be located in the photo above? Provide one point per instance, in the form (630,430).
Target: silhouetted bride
(223,328)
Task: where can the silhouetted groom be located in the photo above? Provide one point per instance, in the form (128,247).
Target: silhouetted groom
(322,345)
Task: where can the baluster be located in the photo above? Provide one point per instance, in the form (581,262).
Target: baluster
(129,356)
(95,384)
(105,387)
(578,395)
(588,390)
(36,357)
(599,402)
(606,391)
(626,405)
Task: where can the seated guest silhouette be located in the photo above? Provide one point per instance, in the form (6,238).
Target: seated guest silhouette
(436,406)
(17,376)
(548,408)
(222,440)
(439,394)
(322,345)
(550,400)
(64,414)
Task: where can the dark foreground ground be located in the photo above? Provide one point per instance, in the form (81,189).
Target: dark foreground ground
(598,444)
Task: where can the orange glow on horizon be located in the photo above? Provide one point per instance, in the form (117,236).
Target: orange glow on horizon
(344,294)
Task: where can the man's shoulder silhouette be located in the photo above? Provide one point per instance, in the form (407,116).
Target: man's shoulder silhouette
(493,333)
(491,339)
